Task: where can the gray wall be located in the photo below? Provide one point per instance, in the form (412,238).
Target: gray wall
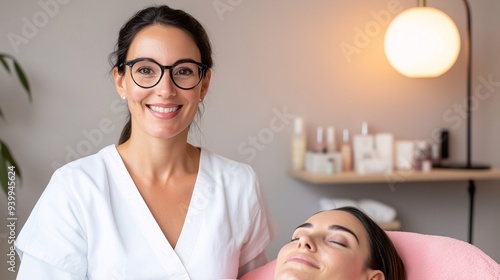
(273,59)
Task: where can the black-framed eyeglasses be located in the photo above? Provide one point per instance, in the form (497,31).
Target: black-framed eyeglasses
(185,74)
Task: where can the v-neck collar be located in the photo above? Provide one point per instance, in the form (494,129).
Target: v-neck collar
(201,198)
(173,260)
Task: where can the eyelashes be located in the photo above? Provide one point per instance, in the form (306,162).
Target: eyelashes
(338,243)
(332,242)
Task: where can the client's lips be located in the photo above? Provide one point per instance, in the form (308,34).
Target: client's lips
(303,260)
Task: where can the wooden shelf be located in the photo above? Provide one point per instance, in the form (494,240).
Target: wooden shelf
(398,176)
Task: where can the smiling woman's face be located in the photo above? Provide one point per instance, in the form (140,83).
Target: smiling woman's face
(165,110)
(330,245)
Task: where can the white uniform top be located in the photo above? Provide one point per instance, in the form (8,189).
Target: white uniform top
(92,223)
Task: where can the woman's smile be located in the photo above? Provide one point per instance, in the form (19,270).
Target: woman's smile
(302,259)
(163,111)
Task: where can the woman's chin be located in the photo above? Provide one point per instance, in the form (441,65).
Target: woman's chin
(292,274)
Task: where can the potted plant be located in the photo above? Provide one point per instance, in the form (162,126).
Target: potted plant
(9,169)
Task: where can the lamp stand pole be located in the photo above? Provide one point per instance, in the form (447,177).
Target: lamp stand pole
(472,192)
(472,185)
(468,164)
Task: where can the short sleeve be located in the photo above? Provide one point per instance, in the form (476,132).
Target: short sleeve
(33,268)
(53,233)
(261,231)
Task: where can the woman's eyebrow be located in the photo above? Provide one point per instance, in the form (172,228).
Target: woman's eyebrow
(341,228)
(305,225)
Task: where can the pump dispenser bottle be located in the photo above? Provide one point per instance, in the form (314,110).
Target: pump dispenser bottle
(298,145)
(331,145)
(363,146)
(320,146)
(346,152)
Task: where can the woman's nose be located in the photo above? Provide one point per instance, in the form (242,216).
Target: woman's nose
(306,243)
(166,86)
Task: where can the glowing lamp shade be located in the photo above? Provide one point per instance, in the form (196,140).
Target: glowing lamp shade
(422,42)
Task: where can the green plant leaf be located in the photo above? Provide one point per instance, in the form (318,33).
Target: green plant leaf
(19,71)
(22,78)
(7,68)
(4,63)
(5,151)
(6,160)
(4,179)
(4,175)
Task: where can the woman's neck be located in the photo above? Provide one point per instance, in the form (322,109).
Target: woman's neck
(159,159)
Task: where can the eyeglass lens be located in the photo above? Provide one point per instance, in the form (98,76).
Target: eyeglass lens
(147,74)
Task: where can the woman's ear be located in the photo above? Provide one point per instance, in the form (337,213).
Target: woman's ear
(205,84)
(119,83)
(375,275)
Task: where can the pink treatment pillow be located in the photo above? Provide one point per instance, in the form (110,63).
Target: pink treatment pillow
(426,257)
(265,272)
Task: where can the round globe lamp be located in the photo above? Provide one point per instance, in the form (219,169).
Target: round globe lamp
(422,42)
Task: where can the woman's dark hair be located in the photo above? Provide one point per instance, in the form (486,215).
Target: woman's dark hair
(383,254)
(162,15)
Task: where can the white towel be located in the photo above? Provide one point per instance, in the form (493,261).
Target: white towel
(378,211)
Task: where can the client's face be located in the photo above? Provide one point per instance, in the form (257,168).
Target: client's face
(330,245)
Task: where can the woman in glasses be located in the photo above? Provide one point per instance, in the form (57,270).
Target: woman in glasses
(343,243)
(155,206)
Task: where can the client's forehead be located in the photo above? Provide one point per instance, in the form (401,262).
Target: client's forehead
(324,220)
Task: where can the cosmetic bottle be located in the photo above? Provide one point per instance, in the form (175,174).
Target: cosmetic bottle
(363,145)
(346,152)
(331,145)
(320,146)
(436,155)
(298,144)
(330,166)
(404,155)
(422,155)
(384,146)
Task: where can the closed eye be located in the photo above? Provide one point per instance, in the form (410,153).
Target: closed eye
(338,243)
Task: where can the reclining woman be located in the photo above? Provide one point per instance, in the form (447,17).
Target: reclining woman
(343,243)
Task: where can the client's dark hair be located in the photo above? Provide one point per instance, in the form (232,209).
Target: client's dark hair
(383,254)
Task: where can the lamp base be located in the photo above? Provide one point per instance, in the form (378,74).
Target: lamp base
(461,165)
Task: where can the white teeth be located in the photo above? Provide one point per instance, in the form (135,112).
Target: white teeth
(164,110)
